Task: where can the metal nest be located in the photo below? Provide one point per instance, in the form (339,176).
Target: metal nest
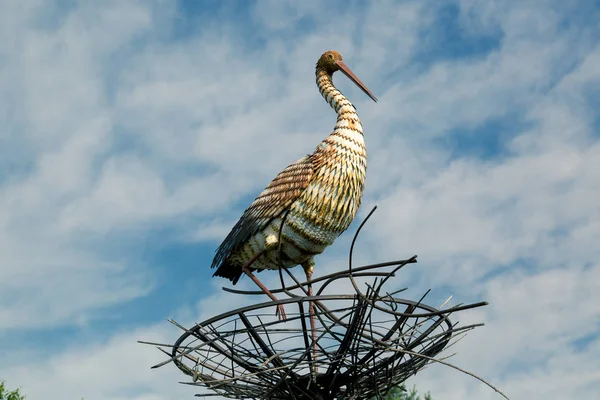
(367,342)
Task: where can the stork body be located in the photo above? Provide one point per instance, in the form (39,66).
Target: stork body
(316,198)
(333,177)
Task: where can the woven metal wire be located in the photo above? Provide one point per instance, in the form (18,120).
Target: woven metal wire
(367,343)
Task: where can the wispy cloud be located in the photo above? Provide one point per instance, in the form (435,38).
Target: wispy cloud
(135,134)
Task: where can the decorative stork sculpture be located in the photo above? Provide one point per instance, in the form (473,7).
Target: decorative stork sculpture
(309,204)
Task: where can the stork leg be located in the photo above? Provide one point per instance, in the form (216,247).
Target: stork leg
(308,270)
(270,243)
(280,312)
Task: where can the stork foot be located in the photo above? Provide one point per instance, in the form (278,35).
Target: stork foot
(280,312)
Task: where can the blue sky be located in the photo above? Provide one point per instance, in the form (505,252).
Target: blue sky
(135,133)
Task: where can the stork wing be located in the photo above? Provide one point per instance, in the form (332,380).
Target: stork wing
(277,197)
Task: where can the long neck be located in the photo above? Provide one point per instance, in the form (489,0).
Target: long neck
(341,161)
(330,93)
(347,116)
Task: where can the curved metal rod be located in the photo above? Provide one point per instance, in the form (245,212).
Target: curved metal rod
(433,311)
(411,260)
(384,343)
(373,299)
(196,331)
(350,256)
(384,280)
(448,311)
(345,275)
(401,264)
(374,305)
(431,359)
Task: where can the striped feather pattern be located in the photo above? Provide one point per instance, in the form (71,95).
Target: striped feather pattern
(322,191)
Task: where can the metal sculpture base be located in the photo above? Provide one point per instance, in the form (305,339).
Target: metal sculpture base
(367,343)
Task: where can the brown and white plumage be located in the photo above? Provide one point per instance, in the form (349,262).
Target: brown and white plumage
(319,194)
(277,197)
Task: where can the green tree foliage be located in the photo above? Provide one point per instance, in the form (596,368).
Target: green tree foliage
(6,395)
(400,393)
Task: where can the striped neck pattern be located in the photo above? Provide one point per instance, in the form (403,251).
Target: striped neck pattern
(331,94)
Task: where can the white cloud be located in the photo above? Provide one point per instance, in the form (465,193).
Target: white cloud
(113,128)
(527,347)
(60,129)
(118,368)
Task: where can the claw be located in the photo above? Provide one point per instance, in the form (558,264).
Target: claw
(280,312)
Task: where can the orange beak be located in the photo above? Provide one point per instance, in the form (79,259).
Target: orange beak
(348,72)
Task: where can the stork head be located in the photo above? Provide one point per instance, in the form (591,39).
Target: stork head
(331,61)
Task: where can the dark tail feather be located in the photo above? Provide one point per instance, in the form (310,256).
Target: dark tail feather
(229,271)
